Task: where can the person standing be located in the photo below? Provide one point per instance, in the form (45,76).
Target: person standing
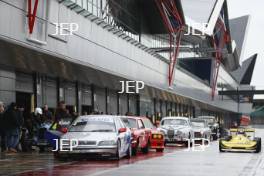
(13,122)
(2,127)
(20,123)
(47,115)
(61,112)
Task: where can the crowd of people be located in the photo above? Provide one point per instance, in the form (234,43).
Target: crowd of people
(13,122)
(16,125)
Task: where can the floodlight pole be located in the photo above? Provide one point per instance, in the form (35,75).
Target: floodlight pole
(171,16)
(218,56)
(32,15)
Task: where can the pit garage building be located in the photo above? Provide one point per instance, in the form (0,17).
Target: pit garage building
(121,40)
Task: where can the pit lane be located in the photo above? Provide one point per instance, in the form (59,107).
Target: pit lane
(174,161)
(24,164)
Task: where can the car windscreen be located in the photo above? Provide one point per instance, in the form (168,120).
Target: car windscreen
(198,124)
(174,122)
(147,123)
(93,125)
(210,121)
(130,123)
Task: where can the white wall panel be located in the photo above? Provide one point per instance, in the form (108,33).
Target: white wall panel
(98,48)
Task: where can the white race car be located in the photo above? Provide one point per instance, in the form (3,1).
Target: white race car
(102,135)
(201,129)
(177,130)
(213,125)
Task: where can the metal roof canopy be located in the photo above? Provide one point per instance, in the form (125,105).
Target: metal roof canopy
(197,12)
(239,31)
(174,23)
(146,13)
(193,12)
(241,92)
(244,74)
(152,17)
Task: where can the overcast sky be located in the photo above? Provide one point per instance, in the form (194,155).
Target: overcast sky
(255,39)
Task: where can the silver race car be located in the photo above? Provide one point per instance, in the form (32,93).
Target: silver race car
(177,130)
(201,129)
(213,125)
(100,135)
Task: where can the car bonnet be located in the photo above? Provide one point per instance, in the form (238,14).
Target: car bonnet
(95,136)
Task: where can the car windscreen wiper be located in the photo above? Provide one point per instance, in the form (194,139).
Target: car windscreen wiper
(80,123)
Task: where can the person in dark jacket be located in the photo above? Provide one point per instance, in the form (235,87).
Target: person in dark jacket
(2,127)
(20,120)
(61,112)
(13,122)
(47,115)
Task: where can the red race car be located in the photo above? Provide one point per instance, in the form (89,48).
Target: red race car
(145,136)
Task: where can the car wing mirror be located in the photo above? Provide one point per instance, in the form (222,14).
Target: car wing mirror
(122,130)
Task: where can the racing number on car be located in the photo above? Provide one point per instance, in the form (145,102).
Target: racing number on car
(127,138)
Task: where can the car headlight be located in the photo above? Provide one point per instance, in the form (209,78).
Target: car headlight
(106,143)
(157,136)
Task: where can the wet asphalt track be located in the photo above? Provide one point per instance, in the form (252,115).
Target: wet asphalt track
(175,161)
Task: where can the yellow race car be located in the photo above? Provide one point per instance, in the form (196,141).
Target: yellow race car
(241,140)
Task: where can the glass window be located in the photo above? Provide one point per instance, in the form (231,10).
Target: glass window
(122,124)
(140,124)
(174,122)
(147,123)
(93,124)
(130,123)
(210,120)
(198,124)
(119,124)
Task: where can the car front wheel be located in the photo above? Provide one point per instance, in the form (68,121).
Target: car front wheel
(135,149)
(146,149)
(220,147)
(258,149)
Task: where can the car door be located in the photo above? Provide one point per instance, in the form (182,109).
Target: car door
(124,136)
(148,126)
(121,136)
(143,138)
